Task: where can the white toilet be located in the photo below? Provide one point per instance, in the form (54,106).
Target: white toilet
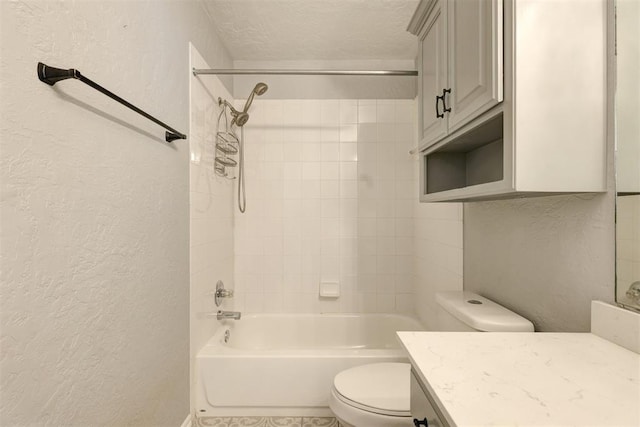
(377,395)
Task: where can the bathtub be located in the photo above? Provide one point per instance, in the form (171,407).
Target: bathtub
(284,364)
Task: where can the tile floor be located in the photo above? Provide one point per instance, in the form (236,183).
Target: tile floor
(266,422)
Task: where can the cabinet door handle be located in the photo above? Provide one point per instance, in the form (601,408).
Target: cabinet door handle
(438,114)
(444,100)
(418,423)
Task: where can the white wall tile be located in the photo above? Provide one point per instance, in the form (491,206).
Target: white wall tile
(330,170)
(292,170)
(292,151)
(330,151)
(330,208)
(311,151)
(387,133)
(348,151)
(292,189)
(348,189)
(254,302)
(330,188)
(348,111)
(311,112)
(367,111)
(404,111)
(386,111)
(348,133)
(366,132)
(274,151)
(330,134)
(311,170)
(292,208)
(310,189)
(330,112)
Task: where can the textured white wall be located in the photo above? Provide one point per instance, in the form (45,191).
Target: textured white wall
(211,210)
(329,197)
(544,258)
(95,213)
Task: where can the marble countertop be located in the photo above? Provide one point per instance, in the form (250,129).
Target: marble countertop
(527,379)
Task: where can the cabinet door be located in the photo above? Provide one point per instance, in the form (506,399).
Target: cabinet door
(422,409)
(474,57)
(433,65)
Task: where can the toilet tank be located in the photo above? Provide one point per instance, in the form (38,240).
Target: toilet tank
(466,311)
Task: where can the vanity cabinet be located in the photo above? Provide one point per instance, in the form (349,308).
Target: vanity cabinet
(460,62)
(512,98)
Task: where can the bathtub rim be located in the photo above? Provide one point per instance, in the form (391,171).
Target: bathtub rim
(213,345)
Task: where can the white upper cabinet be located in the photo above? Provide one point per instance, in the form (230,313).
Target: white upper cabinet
(512,96)
(460,61)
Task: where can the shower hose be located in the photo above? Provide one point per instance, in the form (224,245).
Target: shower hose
(242,197)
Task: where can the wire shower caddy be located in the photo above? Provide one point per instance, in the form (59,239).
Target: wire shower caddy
(227,146)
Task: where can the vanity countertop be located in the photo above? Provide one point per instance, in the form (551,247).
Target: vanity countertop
(527,379)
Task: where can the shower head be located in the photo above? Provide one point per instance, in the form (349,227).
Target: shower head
(242,117)
(260,88)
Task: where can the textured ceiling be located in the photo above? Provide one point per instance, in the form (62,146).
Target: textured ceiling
(315,29)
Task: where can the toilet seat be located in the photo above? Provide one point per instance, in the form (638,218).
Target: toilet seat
(373,395)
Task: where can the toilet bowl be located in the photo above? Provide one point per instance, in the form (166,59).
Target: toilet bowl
(378,395)
(374,395)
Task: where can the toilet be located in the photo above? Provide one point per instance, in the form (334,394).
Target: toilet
(377,395)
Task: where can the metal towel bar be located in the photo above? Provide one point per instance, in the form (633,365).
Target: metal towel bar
(51,76)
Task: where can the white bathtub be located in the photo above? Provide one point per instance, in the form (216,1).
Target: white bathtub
(284,364)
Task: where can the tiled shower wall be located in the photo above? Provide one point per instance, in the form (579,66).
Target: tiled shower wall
(330,187)
(210,209)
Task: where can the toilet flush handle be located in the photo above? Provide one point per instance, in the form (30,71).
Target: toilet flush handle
(418,423)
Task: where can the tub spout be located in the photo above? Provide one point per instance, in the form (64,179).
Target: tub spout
(235,315)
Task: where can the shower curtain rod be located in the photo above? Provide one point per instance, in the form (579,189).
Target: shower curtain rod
(401,73)
(51,76)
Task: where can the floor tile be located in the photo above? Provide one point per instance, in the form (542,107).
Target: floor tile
(284,422)
(232,422)
(257,422)
(320,422)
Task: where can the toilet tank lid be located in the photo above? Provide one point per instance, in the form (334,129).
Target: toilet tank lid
(482,314)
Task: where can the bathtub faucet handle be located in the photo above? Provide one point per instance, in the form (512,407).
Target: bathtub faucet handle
(224,293)
(221,292)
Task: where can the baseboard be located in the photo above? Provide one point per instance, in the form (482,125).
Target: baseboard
(187,421)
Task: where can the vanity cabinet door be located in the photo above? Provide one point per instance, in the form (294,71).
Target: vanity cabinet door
(423,411)
(474,49)
(433,67)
